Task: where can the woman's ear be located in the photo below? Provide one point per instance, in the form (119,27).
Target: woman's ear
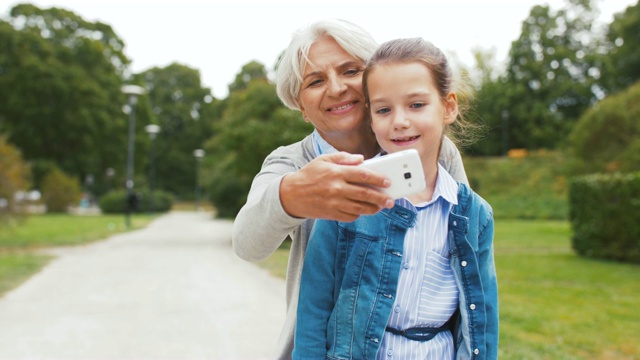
(450,108)
(304,116)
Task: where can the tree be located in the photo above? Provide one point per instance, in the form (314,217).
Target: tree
(253,124)
(489,105)
(249,72)
(185,112)
(621,58)
(60,96)
(606,138)
(60,191)
(549,75)
(14,176)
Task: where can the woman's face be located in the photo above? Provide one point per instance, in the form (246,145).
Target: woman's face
(331,96)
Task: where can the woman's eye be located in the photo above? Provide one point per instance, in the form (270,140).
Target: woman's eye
(314,82)
(354,71)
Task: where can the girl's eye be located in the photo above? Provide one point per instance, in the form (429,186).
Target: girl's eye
(417,105)
(382,111)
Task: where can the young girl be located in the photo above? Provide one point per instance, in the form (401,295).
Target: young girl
(417,281)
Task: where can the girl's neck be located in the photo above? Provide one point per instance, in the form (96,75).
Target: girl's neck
(430,178)
(359,143)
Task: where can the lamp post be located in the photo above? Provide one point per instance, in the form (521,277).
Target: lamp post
(199,154)
(133,91)
(505,132)
(152,130)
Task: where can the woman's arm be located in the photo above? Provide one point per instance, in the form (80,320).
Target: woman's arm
(262,224)
(285,193)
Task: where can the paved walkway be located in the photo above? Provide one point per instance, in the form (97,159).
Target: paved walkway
(174,290)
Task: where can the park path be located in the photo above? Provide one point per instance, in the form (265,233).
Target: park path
(174,290)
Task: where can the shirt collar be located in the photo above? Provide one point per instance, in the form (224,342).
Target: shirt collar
(446,188)
(320,145)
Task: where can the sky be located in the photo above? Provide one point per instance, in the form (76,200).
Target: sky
(219,37)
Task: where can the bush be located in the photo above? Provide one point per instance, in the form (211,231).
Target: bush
(115,202)
(14,175)
(605,216)
(605,139)
(59,190)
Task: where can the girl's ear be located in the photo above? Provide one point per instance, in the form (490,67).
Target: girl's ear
(450,108)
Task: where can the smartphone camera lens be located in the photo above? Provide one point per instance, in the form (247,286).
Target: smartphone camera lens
(407,175)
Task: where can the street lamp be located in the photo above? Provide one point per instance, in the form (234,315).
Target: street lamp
(152,130)
(199,154)
(133,91)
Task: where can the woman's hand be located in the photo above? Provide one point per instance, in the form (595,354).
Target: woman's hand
(330,187)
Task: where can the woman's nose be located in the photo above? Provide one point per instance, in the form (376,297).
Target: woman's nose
(336,85)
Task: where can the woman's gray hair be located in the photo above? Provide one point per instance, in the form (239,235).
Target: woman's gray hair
(352,38)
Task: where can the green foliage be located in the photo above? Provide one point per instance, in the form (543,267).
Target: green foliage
(254,124)
(533,187)
(548,83)
(59,191)
(14,176)
(61,73)
(185,112)
(605,216)
(249,72)
(621,63)
(607,137)
(115,202)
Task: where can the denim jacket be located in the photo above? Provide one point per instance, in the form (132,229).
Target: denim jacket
(350,276)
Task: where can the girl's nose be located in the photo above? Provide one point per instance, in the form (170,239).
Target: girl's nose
(400,121)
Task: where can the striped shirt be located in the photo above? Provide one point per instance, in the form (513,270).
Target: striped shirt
(427,294)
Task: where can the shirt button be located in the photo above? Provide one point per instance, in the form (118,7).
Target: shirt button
(406,265)
(455,223)
(390,352)
(397,309)
(463,263)
(476,351)
(472,306)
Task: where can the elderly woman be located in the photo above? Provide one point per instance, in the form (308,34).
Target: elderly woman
(320,75)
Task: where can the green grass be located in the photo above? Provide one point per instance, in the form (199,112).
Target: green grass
(534,187)
(20,240)
(554,304)
(63,230)
(17,267)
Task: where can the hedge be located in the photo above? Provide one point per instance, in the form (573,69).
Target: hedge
(604,211)
(115,202)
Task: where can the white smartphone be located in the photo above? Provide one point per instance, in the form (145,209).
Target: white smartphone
(403,168)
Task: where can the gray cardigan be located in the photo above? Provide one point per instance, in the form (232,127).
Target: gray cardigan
(262,224)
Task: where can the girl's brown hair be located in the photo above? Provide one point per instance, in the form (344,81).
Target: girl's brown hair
(421,51)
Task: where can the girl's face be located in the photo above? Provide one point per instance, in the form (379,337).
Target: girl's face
(407,110)
(331,96)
